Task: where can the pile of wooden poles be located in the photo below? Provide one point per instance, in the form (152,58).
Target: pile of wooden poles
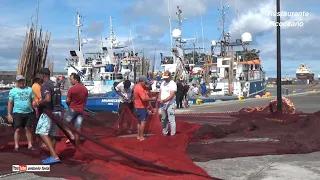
(33,55)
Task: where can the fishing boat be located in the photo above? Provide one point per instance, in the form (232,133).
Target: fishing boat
(178,64)
(237,70)
(286,80)
(101,71)
(304,73)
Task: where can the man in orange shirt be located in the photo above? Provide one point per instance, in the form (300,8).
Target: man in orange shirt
(142,105)
(36,89)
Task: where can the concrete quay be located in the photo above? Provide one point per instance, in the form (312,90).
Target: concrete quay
(271,167)
(307,102)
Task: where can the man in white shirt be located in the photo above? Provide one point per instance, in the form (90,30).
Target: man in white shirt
(195,89)
(125,90)
(167,99)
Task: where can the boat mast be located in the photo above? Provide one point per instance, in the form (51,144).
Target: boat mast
(202,34)
(180,22)
(169,13)
(79,30)
(111,33)
(225,47)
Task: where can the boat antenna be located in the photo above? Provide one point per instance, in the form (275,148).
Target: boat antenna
(235,1)
(170,26)
(202,34)
(179,12)
(224,35)
(112,33)
(79,30)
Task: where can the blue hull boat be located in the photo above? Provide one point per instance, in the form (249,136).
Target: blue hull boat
(107,102)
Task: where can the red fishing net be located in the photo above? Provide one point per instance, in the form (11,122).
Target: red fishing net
(110,150)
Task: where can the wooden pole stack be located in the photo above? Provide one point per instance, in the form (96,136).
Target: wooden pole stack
(34,51)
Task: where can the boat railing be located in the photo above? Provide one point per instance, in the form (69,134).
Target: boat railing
(245,76)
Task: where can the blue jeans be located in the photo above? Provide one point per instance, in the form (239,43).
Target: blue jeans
(167,112)
(70,114)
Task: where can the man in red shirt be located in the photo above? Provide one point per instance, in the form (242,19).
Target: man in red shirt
(76,99)
(142,105)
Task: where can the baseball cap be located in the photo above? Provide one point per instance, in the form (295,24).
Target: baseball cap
(37,76)
(45,71)
(144,78)
(20,77)
(166,75)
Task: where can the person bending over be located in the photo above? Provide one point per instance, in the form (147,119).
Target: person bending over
(125,90)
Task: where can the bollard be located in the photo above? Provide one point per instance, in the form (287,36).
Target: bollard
(287,91)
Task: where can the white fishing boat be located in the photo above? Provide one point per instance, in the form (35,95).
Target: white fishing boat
(305,73)
(236,70)
(99,71)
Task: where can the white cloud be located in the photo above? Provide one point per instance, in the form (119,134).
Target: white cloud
(149,19)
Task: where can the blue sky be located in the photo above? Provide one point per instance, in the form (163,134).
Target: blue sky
(148,21)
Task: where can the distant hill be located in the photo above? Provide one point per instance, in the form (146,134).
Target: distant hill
(9,76)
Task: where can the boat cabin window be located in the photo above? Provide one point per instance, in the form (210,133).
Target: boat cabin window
(73,53)
(225,62)
(251,67)
(256,66)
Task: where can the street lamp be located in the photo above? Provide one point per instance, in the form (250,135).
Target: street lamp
(279,96)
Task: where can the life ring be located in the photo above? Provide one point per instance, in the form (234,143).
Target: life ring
(251,73)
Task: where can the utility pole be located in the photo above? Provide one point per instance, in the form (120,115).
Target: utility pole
(279,95)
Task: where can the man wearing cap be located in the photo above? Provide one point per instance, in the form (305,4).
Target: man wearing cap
(142,105)
(46,128)
(166,99)
(20,102)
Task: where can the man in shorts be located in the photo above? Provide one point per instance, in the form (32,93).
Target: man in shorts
(142,105)
(20,101)
(76,100)
(46,128)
